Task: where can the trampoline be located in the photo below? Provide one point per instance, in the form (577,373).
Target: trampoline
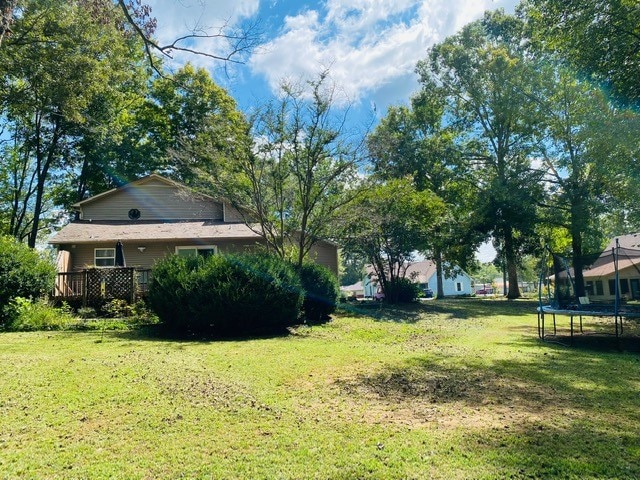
(560,294)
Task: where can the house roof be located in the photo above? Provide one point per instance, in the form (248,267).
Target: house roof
(111,231)
(625,241)
(628,257)
(418,272)
(421,272)
(356,287)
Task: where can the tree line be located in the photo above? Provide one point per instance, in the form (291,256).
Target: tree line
(523,129)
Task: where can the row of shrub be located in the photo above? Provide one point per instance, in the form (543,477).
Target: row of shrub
(237,294)
(221,294)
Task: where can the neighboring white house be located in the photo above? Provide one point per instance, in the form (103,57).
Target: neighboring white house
(425,275)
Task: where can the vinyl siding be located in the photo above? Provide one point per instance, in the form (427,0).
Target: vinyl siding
(82,255)
(449,285)
(231,214)
(156,201)
(325,254)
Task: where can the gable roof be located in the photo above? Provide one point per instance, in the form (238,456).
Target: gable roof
(141,181)
(625,241)
(419,272)
(628,257)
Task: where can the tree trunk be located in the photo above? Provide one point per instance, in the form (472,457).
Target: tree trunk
(6,17)
(512,266)
(44,163)
(578,277)
(437,257)
(579,215)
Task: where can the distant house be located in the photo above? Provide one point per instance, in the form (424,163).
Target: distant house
(154,217)
(356,290)
(599,277)
(425,275)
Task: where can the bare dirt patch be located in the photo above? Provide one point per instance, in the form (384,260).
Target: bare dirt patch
(449,398)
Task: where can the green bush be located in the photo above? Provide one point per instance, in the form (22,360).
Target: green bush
(24,272)
(25,314)
(321,291)
(225,294)
(401,290)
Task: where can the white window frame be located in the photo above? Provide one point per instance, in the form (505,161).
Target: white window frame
(112,257)
(197,247)
(459,286)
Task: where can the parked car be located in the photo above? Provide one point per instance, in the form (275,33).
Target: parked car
(428,293)
(484,291)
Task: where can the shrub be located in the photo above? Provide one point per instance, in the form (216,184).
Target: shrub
(321,291)
(25,314)
(23,272)
(401,290)
(225,294)
(116,308)
(169,289)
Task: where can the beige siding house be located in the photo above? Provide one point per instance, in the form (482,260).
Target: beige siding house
(600,278)
(154,217)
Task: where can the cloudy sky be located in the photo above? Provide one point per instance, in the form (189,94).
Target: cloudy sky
(370,47)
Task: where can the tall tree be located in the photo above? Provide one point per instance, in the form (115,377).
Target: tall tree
(59,65)
(136,17)
(388,224)
(416,142)
(302,170)
(580,169)
(199,127)
(488,81)
(600,38)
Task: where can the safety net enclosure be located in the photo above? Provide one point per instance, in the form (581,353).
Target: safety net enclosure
(604,285)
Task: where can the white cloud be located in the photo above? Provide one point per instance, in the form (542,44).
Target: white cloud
(177,18)
(366,44)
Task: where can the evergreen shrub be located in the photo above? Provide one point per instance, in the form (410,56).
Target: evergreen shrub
(24,272)
(321,291)
(401,290)
(225,294)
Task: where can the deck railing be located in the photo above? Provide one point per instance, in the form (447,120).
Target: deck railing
(97,285)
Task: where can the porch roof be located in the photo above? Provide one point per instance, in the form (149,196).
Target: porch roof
(111,231)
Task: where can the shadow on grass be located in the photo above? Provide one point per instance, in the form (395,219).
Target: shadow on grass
(576,450)
(158,332)
(596,342)
(577,378)
(567,412)
(458,308)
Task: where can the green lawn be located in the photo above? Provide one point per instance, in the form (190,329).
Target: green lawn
(453,389)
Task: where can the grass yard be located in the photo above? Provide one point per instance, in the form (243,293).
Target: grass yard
(452,389)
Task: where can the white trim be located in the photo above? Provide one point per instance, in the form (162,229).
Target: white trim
(95,257)
(197,247)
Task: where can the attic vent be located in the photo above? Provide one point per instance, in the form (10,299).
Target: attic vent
(134,214)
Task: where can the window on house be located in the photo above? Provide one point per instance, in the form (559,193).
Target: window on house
(104,257)
(599,287)
(612,287)
(624,286)
(458,286)
(199,250)
(589,288)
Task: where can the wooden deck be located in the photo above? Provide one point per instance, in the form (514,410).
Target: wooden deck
(97,285)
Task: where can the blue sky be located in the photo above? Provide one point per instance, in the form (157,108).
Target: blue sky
(370,47)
